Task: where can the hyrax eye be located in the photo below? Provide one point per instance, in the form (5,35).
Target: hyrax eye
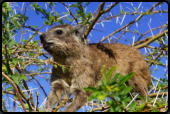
(59,32)
(76,31)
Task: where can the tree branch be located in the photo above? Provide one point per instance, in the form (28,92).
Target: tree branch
(150,40)
(108,9)
(151,61)
(155,94)
(95,19)
(100,12)
(12,82)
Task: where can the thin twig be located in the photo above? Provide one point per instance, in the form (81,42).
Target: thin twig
(155,62)
(37,73)
(22,29)
(14,105)
(156,57)
(134,13)
(36,32)
(100,109)
(152,109)
(36,106)
(70,11)
(32,59)
(128,24)
(38,84)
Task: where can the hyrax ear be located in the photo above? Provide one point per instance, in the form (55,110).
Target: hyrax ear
(80,30)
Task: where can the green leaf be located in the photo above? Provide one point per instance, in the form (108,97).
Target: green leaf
(154,109)
(64,13)
(63,69)
(111,71)
(127,89)
(132,106)
(111,109)
(26,106)
(9,8)
(57,14)
(101,96)
(120,78)
(140,108)
(166,49)
(91,89)
(118,109)
(51,18)
(5,80)
(142,98)
(7,27)
(46,22)
(15,96)
(10,88)
(34,26)
(110,102)
(116,89)
(4,5)
(14,60)
(121,86)
(15,23)
(114,79)
(94,95)
(126,78)
(127,99)
(40,110)
(23,77)
(15,79)
(103,70)
(24,40)
(55,65)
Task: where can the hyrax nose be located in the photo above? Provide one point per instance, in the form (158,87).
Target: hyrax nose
(42,36)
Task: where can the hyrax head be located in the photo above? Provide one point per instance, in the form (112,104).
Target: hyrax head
(63,40)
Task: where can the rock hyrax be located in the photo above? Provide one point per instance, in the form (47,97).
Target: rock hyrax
(66,44)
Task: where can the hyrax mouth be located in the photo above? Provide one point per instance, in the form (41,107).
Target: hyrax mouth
(46,44)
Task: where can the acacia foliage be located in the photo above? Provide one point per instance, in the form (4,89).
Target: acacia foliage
(19,56)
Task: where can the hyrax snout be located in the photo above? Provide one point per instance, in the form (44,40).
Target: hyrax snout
(66,44)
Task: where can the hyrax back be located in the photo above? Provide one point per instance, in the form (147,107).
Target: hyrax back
(66,44)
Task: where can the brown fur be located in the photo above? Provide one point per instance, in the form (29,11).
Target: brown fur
(87,61)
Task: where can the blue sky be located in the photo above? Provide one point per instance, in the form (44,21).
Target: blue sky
(96,36)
